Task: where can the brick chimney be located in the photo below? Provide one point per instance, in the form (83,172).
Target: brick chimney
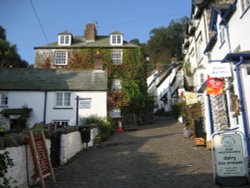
(159,68)
(90,32)
(98,61)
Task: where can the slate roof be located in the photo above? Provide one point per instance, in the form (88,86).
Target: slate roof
(80,42)
(52,80)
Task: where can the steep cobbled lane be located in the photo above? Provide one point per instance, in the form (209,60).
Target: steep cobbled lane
(153,156)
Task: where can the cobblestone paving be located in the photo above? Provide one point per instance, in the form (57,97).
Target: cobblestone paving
(153,156)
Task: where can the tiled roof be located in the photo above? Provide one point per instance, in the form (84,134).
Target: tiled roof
(51,80)
(80,42)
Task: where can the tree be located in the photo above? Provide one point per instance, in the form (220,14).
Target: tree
(8,53)
(166,42)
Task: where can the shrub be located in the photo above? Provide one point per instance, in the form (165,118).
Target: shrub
(104,125)
(178,109)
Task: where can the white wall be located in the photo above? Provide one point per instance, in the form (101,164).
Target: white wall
(71,144)
(35,101)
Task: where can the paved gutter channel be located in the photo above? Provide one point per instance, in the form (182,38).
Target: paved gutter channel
(153,156)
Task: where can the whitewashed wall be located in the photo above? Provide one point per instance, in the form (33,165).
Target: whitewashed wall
(23,165)
(35,101)
(71,144)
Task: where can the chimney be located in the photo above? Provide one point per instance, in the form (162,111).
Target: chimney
(159,68)
(98,61)
(90,32)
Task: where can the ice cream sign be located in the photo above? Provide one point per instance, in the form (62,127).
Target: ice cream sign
(228,155)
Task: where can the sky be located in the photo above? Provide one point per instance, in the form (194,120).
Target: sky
(32,23)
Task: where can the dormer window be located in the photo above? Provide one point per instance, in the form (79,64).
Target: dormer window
(116,39)
(64,39)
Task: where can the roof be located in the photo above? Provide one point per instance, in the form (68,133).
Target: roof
(52,80)
(167,73)
(80,42)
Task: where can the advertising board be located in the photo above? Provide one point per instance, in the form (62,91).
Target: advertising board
(229,160)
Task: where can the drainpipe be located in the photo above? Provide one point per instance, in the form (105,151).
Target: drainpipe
(45,107)
(210,114)
(242,102)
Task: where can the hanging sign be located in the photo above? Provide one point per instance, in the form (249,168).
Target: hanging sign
(214,86)
(191,98)
(219,70)
(229,158)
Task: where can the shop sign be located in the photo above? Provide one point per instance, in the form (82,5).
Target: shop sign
(219,70)
(214,86)
(228,155)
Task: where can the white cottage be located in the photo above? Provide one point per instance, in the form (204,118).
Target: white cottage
(166,86)
(51,96)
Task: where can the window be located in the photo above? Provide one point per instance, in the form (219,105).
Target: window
(116,57)
(64,40)
(61,58)
(4,99)
(222,33)
(61,122)
(116,86)
(63,99)
(248,71)
(244,5)
(199,49)
(202,78)
(116,39)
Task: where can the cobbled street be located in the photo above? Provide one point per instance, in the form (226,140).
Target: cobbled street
(156,155)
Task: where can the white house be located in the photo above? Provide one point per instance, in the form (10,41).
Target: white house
(232,46)
(223,26)
(166,86)
(52,96)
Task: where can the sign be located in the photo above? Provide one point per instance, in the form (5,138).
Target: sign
(229,156)
(214,86)
(85,103)
(190,98)
(219,70)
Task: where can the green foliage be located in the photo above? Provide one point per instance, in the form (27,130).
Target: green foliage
(179,109)
(166,42)
(5,162)
(104,125)
(8,53)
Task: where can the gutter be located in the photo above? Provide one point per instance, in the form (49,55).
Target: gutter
(242,102)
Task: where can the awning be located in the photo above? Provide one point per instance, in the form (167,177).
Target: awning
(236,57)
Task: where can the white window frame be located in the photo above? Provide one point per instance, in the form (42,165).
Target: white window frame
(116,85)
(116,57)
(64,40)
(222,29)
(116,39)
(61,122)
(4,99)
(61,58)
(245,4)
(199,44)
(65,101)
(202,78)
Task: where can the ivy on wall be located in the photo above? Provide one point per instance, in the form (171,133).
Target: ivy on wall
(132,98)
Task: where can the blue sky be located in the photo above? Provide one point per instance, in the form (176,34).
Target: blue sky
(134,18)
